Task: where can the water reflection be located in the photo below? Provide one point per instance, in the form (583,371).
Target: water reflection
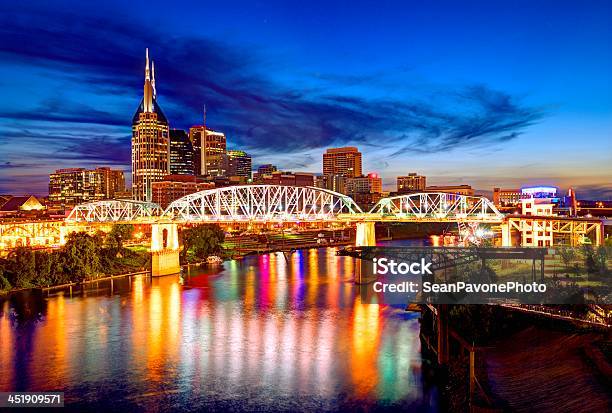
(271,332)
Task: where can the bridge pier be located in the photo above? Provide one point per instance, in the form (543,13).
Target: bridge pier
(506,235)
(164,249)
(366,234)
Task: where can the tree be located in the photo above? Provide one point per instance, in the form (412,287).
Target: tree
(568,255)
(5,285)
(601,259)
(21,267)
(117,236)
(81,255)
(202,241)
(590,261)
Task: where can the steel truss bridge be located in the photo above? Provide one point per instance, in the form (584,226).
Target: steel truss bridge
(116,210)
(275,203)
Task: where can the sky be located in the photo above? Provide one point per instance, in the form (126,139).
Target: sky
(503,93)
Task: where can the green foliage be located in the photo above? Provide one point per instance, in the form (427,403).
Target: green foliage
(595,260)
(21,268)
(201,241)
(568,255)
(119,234)
(82,256)
(601,259)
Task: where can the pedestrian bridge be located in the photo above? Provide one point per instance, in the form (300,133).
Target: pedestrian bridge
(276,203)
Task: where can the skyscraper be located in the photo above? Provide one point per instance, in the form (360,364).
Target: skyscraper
(210,151)
(68,187)
(342,161)
(239,164)
(181,153)
(150,141)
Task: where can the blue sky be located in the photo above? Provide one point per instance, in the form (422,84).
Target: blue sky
(484,93)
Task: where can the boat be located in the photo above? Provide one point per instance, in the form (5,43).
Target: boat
(214,260)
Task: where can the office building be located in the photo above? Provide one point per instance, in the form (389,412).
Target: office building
(342,161)
(336,183)
(266,169)
(72,186)
(181,153)
(209,148)
(368,184)
(287,178)
(150,141)
(239,164)
(411,183)
(507,198)
(173,187)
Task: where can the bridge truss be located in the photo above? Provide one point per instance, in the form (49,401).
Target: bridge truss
(265,203)
(115,210)
(438,206)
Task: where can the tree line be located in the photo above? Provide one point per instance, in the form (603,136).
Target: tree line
(86,257)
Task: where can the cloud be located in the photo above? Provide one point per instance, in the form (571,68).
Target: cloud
(97,62)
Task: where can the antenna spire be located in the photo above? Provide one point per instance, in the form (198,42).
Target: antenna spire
(147,75)
(153,79)
(204,116)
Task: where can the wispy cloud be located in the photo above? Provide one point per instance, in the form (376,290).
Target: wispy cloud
(99,60)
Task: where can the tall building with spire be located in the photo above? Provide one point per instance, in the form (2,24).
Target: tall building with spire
(150,140)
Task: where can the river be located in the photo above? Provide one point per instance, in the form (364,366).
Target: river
(261,334)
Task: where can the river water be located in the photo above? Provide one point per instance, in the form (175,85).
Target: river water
(264,334)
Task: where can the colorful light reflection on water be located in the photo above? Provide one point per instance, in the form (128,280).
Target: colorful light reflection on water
(268,333)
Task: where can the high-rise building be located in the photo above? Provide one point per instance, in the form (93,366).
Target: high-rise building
(112,180)
(210,151)
(410,183)
(366,190)
(239,164)
(342,161)
(69,187)
(150,141)
(181,153)
(336,183)
(368,184)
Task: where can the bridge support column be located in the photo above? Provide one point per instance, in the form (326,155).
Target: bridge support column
(599,234)
(366,235)
(506,236)
(164,250)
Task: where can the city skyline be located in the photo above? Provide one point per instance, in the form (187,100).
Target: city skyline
(535,110)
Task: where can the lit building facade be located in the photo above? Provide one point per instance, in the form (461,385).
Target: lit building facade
(366,190)
(266,169)
(181,153)
(287,178)
(210,151)
(150,141)
(342,161)
(72,186)
(368,184)
(451,189)
(336,183)
(239,163)
(507,197)
(173,187)
(411,183)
